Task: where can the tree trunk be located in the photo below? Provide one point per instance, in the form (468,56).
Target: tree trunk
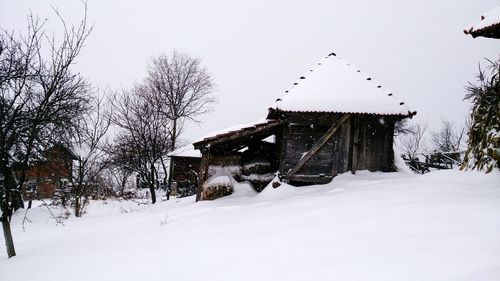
(152,184)
(166,178)
(174,138)
(7,187)
(77,206)
(174,134)
(165,173)
(13,189)
(153,193)
(9,242)
(171,169)
(123,184)
(79,188)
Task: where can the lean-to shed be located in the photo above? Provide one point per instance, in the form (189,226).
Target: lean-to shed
(185,166)
(335,118)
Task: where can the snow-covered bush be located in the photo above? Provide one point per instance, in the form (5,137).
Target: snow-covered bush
(258,172)
(258,166)
(216,187)
(483,151)
(220,181)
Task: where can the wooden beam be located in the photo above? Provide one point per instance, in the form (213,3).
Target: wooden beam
(316,179)
(282,151)
(321,142)
(238,134)
(203,174)
(355,144)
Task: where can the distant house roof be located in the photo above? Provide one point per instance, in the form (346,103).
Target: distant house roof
(255,129)
(60,148)
(336,85)
(488,26)
(185,151)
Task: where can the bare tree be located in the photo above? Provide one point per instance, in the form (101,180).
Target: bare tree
(448,138)
(411,141)
(121,176)
(182,87)
(402,127)
(89,143)
(144,138)
(40,100)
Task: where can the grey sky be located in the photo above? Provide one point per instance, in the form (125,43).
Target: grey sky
(256,49)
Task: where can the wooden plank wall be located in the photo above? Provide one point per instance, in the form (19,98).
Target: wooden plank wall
(300,139)
(342,150)
(373,152)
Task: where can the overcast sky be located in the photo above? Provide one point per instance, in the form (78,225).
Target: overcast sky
(257,49)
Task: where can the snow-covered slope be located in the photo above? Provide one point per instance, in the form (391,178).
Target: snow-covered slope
(373,226)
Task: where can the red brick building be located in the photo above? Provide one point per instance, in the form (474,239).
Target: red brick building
(43,177)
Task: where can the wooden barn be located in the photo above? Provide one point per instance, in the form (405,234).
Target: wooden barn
(334,119)
(488,26)
(185,166)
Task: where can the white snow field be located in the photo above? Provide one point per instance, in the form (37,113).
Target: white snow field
(444,225)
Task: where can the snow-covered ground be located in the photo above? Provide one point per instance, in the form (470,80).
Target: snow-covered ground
(444,225)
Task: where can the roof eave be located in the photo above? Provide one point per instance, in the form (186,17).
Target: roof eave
(410,114)
(247,130)
(491,31)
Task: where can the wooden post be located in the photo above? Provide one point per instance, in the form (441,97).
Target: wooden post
(170,174)
(282,152)
(355,144)
(321,142)
(202,175)
(341,151)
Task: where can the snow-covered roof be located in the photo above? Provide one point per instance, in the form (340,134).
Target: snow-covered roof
(489,20)
(231,129)
(241,129)
(185,151)
(336,85)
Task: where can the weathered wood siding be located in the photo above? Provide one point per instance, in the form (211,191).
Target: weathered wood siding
(373,149)
(342,150)
(301,138)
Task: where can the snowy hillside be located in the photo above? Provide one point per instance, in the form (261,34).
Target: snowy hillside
(440,226)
